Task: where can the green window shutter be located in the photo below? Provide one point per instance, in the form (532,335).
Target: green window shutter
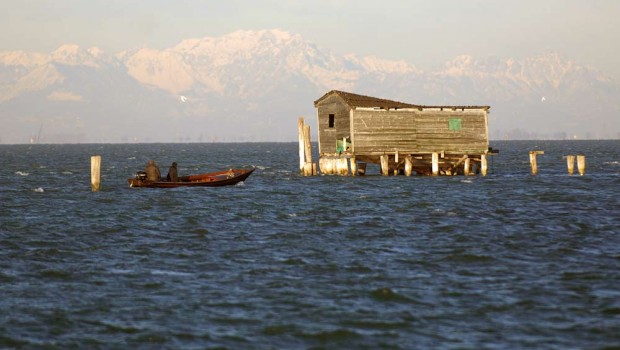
(342,146)
(455,124)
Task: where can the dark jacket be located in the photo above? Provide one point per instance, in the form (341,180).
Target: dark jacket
(173,175)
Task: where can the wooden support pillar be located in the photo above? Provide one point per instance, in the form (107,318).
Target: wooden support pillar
(466,167)
(483,164)
(307,169)
(581,164)
(453,170)
(302,151)
(353,165)
(342,166)
(385,166)
(570,164)
(314,170)
(324,165)
(331,166)
(361,169)
(408,165)
(435,163)
(338,166)
(533,164)
(396,161)
(95,173)
(307,145)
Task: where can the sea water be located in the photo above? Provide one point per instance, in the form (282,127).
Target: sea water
(506,261)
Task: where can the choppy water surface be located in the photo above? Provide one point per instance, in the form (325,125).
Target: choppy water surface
(508,261)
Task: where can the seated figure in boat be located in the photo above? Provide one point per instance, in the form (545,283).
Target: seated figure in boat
(152,172)
(173,174)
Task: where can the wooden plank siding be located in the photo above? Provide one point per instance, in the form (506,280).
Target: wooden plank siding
(415,131)
(328,136)
(434,134)
(377,131)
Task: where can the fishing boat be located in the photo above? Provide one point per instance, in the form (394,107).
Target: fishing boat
(218,178)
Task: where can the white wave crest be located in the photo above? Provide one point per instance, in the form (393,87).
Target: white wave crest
(169,273)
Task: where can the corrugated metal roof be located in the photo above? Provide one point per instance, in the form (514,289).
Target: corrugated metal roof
(356,100)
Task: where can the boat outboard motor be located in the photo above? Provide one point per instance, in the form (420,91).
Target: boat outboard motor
(141,176)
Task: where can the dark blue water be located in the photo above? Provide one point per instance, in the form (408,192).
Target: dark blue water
(507,261)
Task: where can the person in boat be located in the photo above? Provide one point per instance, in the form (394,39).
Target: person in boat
(173,175)
(152,172)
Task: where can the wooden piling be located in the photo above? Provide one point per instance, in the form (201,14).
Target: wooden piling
(337,166)
(307,152)
(361,169)
(581,164)
(326,165)
(307,169)
(466,167)
(396,161)
(342,167)
(353,164)
(385,165)
(408,165)
(533,164)
(302,158)
(307,146)
(453,170)
(570,164)
(483,165)
(435,163)
(95,173)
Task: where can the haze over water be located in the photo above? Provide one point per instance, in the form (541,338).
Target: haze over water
(506,261)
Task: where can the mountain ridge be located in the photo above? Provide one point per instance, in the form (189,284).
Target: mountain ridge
(252,85)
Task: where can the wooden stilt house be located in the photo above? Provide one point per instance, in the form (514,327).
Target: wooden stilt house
(403,138)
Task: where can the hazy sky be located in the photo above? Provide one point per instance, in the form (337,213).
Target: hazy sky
(422,32)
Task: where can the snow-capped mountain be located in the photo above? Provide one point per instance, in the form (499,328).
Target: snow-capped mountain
(252,86)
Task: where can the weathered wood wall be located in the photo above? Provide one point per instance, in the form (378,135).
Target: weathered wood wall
(435,135)
(329,136)
(419,131)
(377,131)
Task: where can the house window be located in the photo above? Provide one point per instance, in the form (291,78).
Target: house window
(455,124)
(332,118)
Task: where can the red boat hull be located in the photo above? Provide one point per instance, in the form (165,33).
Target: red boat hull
(219,178)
